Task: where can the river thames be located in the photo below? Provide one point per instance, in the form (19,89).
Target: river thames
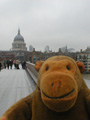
(86,76)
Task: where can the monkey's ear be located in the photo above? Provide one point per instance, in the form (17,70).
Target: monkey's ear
(81,66)
(38,65)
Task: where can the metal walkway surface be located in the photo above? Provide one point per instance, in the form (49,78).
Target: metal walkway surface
(14,85)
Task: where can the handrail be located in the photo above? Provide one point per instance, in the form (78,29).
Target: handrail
(32,72)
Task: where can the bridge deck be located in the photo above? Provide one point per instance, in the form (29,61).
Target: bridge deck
(14,85)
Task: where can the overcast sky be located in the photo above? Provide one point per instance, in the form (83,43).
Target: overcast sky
(56,23)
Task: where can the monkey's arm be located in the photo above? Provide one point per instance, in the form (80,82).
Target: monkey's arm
(88,102)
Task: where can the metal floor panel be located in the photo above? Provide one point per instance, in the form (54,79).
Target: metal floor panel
(14,85)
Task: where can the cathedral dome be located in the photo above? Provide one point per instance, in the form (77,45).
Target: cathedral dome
(19,37)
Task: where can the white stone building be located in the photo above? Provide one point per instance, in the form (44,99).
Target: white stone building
(18,43)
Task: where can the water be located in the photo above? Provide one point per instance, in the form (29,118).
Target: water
(86,76)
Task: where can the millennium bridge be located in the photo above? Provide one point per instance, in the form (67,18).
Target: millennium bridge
(18,83)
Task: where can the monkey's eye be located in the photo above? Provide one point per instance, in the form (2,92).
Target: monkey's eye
(68,68)
(47,68)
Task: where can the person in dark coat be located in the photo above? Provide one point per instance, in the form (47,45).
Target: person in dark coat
(4,64)
(11,63)
(8,64)
(24,64)
(0,66)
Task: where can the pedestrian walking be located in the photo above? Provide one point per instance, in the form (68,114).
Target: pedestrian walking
(4,64)
(8,64)
(14,62)
(24,64)
(0,66)
(17,64)
(11,63)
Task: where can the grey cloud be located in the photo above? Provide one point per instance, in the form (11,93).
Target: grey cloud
(45,22)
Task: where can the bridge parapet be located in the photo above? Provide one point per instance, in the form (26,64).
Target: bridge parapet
(32,72)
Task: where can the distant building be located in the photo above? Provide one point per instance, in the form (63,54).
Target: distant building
(18,43)
(88,49)
(4,55)
(47,49)
(31,48)
(19,47)
(64,49)
(84,56)
(71,50)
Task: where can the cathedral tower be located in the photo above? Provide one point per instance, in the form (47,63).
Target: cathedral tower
(18,43)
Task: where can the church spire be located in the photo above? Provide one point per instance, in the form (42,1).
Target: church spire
(18,31)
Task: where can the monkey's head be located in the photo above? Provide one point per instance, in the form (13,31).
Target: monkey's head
(59,81)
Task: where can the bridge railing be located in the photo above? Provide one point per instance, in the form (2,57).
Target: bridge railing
(32,72)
